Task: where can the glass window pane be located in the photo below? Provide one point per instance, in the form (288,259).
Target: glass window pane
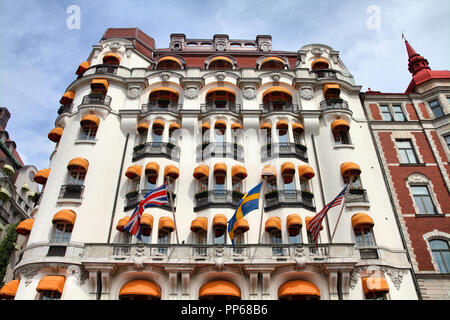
(420,204)
(439,244)
(411,156)
(419,190)
(428,204)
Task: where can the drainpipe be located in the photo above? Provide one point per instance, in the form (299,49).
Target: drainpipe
(391,199)
(117,188)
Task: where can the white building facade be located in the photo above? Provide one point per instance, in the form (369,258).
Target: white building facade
(198,115)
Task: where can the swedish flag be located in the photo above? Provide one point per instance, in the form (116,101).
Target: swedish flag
(249,202)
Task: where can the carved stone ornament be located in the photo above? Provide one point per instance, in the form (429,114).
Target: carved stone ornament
(417,178)
(165,76)
(306,93)
(396,275)
(191,92)
(317,51)
(220,76)
(275,77)
(115,45)
(133,92)
(249,93)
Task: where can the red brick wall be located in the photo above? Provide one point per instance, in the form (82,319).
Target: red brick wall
(424,111)
(423,147)
(388,147)
(375,111)
(412,114)
(439,146)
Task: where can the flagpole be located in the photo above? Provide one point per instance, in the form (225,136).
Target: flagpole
(342,208)
(262,207)
(171,206)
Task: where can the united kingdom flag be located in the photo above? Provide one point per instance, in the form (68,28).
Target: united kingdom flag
(155,198)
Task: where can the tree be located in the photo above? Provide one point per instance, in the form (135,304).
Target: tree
(6,249)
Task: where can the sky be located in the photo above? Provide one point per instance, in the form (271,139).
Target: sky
(39,53)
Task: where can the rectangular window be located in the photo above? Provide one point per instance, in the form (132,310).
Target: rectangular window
(63,232)
(423,200)
(341,137)
(88,132)
(406,151)
(385,113)
(398,113)
(436,108)
(363,237)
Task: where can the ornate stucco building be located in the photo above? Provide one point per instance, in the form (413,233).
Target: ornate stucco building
(412,134)
(212,117)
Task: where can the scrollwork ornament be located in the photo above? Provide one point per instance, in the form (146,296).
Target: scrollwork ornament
(191,93)
(249,93)
(134,92)
(306,93)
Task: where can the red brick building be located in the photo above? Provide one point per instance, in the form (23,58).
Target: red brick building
(412,132)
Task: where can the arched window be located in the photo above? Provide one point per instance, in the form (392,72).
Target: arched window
(163,98)
(157,131)
(201,174)
(272,63)
(151,175)
(340,129)
(169,63)
(142,130)
(220,177)
(77,169)
(220,63)
(220,99)
(220,128)
(219,290)
(219,228)
(441,254)
(294,226)
(273,227)
(282,127)
(238,173)
(165,228)
(351,171)
(288,172)
(298,290)
(111,59)
(140,290)
(63,222)
(51,287)
(277,99)
(89,126)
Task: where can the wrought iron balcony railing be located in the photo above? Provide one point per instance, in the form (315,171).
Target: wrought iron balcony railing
(156,149)
(220,150)
(284,150)
(271,107)
(325,74)
(105,69)
(132,199)
(160,107)
(334,104)
(71,191)
(288,198)
(220,106)
(357,196)
(216,198)
(97,99)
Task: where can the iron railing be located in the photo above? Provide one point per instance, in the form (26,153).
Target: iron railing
(333,104)
(220,106)
(220,150)
(357,196)
(284,150)
(159,107)
(325,74)
(216,198)
(288,198)
(97,99)
(156,149)
(271,107)
(71,191)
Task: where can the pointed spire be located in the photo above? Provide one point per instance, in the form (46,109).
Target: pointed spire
(415,61)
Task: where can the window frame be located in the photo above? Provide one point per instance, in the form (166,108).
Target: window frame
(407,155)
(412,187)
(443,260)
(62,232)
(392,113)
(88,132)
(438,106)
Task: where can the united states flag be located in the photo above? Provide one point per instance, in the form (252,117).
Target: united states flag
(156,197)
(316,222)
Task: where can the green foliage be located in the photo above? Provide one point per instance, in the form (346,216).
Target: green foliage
(6,249)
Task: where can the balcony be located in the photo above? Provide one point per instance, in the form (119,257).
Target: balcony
(217,199)
(132,199)
(161,107)
(156,149)
(284,150)
(221,106)
(220,150)
(333,104)
(106,69)
(357,197)
(274,107)
(71,191)
(288,199)
(193,253)
(65,108)
(97,99)
(325,74)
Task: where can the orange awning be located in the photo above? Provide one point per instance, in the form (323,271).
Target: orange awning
(308,219)
(242,224)
(339,124)
(25,226)
(201,171)
(236,126)
(319,63)
(220,124)
(165,89)
(293,224)
(67,97)
(306,171)
(199,223)
(220,167)
(122,223)
(331,90)
(219,288)
(92,118)
(174,126)
(152,167)
(220,89)
(269,171)
(273,223)
(41,176)
(220,220)
(362,219)
(140,287)
(297,127)
(171,171)
(282,124)
(266,125)
(272,59)
(65,215)
(276,89)
(55,134)
(9,290)
(133,171)
(205,126)
(287,167)
(166,224)
(142,127)
(298,288)
(51,283)
(158,124)
(221,58)
(170,58)
(110,55)
(82,67)
(147,220)
(99,83)
(374,284)
(239,171)
(80,162)
(350,169)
